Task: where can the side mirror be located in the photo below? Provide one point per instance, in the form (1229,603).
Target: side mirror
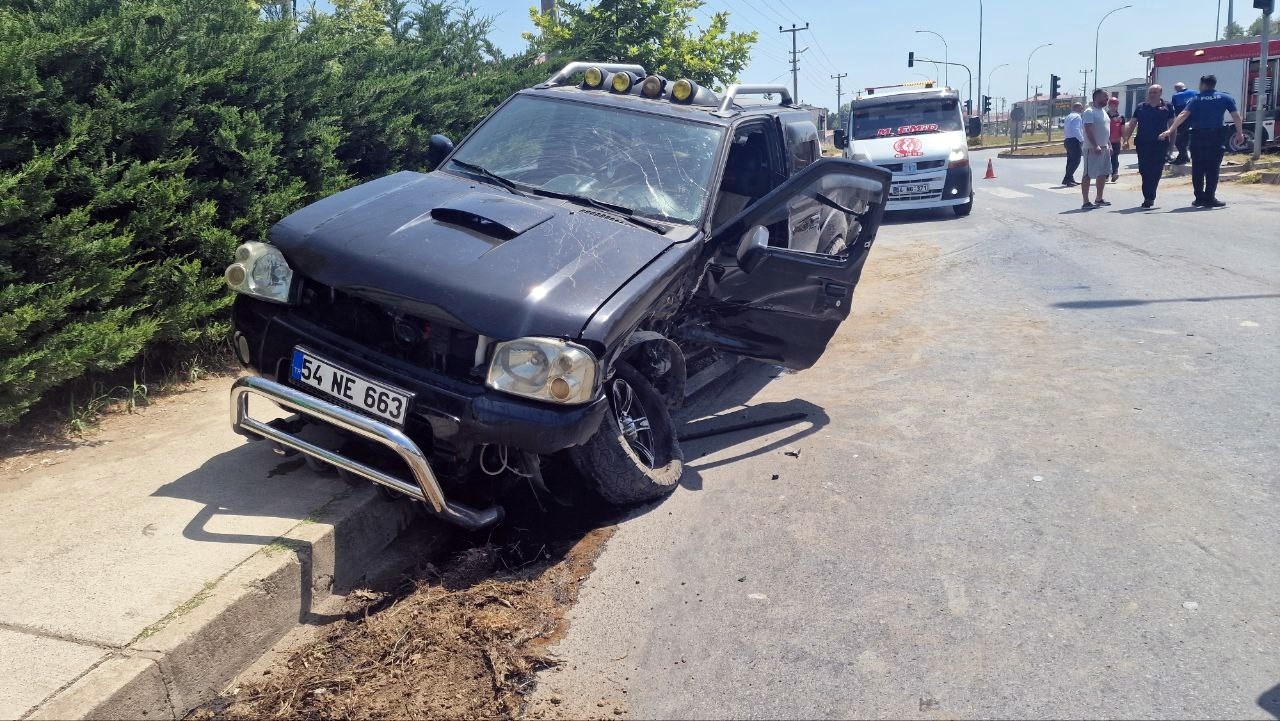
(752,247)
(438,149)
(842,138)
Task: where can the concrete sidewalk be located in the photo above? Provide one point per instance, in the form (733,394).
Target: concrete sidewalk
(143,569)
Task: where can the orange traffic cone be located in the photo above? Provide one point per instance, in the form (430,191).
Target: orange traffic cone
(991,171)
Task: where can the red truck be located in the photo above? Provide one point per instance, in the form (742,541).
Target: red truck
(1235,63)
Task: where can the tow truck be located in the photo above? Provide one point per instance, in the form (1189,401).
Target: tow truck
(541,291)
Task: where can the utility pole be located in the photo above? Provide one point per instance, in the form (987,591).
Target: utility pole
(1263,92)
(795,59)
(839,94)
(1084,92)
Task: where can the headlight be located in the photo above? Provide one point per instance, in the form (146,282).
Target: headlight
(861,157)
(548,369)
(260,270)
(958,157)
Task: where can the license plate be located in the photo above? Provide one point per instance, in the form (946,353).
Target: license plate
(909,189)
(337,382)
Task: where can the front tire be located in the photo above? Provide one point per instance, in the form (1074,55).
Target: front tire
(963,210)
(634,456)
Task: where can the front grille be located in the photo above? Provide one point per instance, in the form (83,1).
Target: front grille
(922,165)
(428,344)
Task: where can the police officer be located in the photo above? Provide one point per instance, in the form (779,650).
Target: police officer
(1181,96)
(1205,112)
(1151,118)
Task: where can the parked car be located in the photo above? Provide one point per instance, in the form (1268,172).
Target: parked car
(542,290)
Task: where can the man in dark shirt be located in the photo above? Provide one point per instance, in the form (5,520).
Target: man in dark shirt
(1151,118)
(1205,112)
(1181,96)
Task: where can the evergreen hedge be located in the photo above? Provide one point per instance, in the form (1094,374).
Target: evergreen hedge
(142,140)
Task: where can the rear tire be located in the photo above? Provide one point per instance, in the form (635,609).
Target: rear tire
(963,210)
(634,456)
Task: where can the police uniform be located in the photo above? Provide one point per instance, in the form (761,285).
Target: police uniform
(1152,151)
(1208,133)
(1180,100)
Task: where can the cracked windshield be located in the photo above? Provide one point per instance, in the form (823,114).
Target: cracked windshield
(913,118)
(654,166)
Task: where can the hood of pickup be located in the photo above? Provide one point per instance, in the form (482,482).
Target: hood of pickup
(504,265)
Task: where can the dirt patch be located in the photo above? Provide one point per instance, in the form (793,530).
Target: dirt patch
(461,638)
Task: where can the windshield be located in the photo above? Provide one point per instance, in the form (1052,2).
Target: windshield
(654,166)
(917,117)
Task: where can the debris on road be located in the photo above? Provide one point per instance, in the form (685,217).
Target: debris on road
(745,425)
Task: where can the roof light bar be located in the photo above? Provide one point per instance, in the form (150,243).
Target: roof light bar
(572,69)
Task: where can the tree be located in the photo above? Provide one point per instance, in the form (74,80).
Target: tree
(141,141)
(1255,29)
(657,34)
(1233,30)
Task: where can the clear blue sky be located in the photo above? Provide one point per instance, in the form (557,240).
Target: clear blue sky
(870,40)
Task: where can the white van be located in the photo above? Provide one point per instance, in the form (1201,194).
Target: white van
(919,136)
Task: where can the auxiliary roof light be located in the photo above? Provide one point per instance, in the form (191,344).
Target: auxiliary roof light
(683,91)
(593,79)
(623,82)
(653,86)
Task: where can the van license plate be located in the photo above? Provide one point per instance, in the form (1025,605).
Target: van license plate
(909,189)
(337,382)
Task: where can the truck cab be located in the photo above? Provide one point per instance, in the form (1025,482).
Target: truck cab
(919,136)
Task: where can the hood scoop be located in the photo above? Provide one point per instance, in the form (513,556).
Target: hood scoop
(493,215)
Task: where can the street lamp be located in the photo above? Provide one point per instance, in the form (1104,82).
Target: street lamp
(1026,92)
(993,72)
(1096,36)
(946,55)
(979,52)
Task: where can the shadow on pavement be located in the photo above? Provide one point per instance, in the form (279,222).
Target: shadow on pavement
(728,403)
(1126,302)
(935,215)
(1269,701)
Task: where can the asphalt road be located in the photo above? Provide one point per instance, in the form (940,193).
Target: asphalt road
(1038,479)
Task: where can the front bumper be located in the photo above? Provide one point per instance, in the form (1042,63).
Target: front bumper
(424,487)
(449,417)
(953,186)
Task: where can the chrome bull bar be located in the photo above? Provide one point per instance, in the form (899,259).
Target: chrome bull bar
(425,488)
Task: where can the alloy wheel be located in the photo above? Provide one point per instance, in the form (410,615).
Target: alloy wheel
(632,419)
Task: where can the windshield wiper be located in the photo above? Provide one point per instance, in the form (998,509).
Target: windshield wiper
(627,213)
(486,173)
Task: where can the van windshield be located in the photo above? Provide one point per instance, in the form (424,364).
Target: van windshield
(916,117)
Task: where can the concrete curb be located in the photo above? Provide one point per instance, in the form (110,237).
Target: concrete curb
(190,656)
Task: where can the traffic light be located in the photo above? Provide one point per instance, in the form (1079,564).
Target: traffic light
(968,108)
(1266,6)
(986,104)
(911,60)
(1053,87)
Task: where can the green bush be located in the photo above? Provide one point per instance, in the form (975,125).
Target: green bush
(142,140)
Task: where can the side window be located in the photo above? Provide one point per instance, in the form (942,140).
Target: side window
(802,143)
(750,171)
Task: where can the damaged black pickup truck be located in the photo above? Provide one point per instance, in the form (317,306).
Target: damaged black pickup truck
(540,291)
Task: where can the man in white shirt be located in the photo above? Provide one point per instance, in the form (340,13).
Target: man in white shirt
(1097,148)
(1073,141)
